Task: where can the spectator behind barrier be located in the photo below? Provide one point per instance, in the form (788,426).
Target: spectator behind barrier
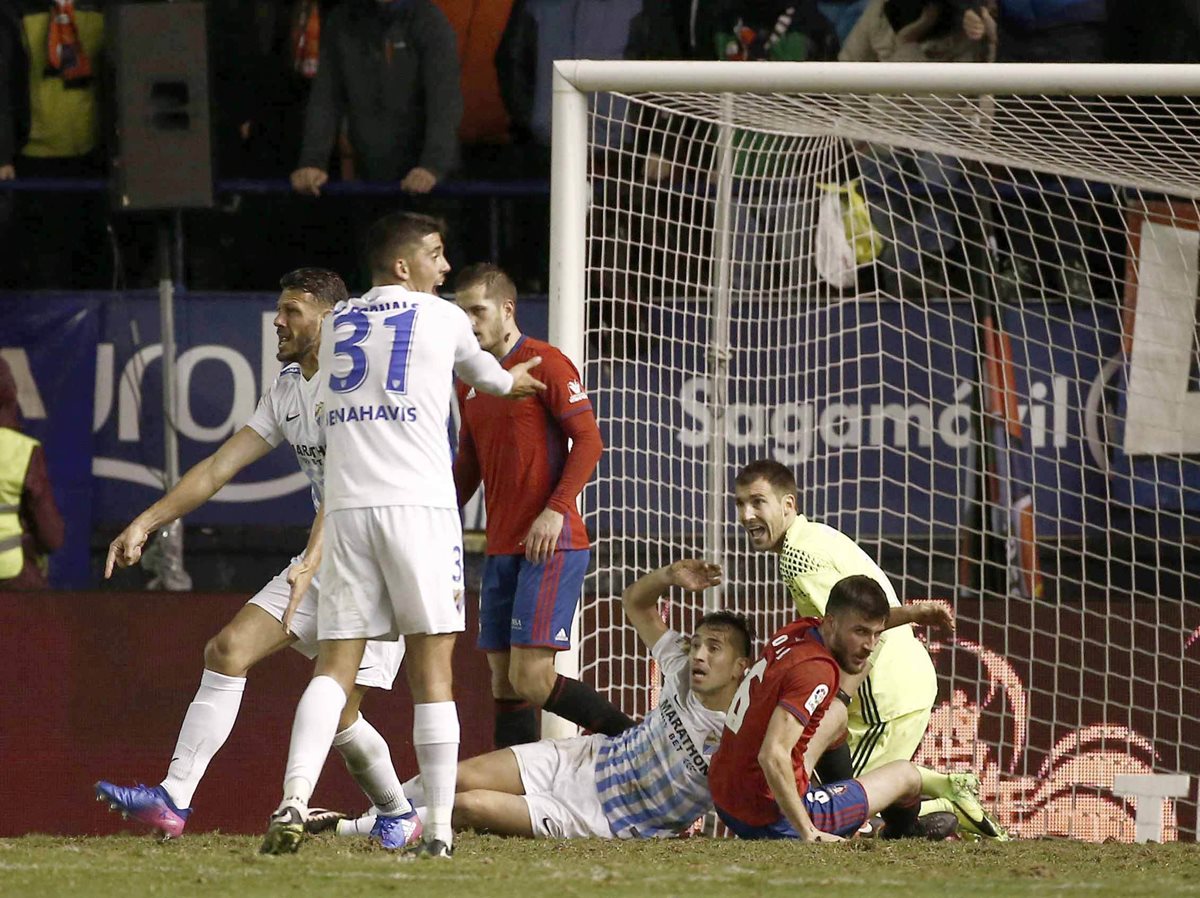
(479,25)
(391,70)
(1051,245)
(843,15)
(30,525)
(14,88)
(65,56)
(1040,30)
(912,193)
(541,31)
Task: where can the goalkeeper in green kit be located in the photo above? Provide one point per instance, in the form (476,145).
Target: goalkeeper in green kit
(890,711)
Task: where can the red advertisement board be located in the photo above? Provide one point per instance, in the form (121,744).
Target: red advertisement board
(95,686)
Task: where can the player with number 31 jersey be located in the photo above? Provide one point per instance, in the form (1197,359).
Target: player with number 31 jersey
(380,408)
(388,541)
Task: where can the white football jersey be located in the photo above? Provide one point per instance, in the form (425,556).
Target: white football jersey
(653,779)
(287,411)
(387,366)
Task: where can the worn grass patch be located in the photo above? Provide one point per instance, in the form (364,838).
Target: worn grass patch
(489,867)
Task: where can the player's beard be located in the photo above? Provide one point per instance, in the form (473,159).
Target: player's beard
(298,347)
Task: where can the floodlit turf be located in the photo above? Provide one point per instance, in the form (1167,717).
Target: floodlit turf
(216,865)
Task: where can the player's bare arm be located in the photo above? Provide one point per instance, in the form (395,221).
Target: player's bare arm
(195,488)
(775,759)
(640,599)
(301,574)
(831,728)
(524,383)
(937,615)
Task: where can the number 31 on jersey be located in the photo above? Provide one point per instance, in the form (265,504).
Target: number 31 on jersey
(350,347)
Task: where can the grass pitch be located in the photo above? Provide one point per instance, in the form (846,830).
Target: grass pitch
(490,867)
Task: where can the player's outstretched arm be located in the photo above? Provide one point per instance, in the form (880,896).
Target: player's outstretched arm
(524,383)
(481,370)
(775,759)
(640,599)
(300,575)
(924,614)
(195,488)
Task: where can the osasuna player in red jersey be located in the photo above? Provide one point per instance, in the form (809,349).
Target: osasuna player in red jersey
(533,457)
(773,733)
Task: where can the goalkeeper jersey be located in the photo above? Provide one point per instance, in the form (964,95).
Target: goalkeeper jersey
(813,559)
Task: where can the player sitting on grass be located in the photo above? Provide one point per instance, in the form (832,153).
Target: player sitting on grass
(650,781)
(787,713)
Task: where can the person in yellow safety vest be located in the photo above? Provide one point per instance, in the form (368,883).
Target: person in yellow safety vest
(30,525)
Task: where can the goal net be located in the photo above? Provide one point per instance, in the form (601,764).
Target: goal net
(959,302)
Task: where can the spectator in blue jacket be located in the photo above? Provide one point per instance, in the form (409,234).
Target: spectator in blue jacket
(1041,30)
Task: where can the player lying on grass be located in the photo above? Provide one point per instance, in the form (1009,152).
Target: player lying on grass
(787,713)
(286,413)
(650,781)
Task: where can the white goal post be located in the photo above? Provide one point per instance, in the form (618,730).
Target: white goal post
(959,301)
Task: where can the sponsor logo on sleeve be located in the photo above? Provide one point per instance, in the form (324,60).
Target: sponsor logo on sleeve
(575,388)
(814,700)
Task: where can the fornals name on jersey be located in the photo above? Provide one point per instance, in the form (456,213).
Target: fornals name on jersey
(370,413)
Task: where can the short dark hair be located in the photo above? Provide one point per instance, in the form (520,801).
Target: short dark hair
(738,623)
(390,237)
(326,286)
(495,282)
(781,478)
(859,594)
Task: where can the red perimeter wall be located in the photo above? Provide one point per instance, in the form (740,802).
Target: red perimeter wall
(95,685)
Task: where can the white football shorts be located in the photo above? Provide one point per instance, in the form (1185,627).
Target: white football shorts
(381,660)
(559,776)
(390,571)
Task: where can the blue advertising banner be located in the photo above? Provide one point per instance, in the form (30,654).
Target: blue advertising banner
(51,348)
(870,404)
(225,346)
(226,358)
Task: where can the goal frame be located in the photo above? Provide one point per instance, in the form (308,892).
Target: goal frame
(570,196)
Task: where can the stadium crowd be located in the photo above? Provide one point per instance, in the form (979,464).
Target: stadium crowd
(423,93)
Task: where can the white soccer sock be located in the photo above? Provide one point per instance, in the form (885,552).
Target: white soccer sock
(206,726)
(435,739)
(312,734)
(370,763)
(414,790)
(357,826)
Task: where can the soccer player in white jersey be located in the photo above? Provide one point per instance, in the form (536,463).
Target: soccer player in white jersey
(286,412)
(648,782)
(389,528)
